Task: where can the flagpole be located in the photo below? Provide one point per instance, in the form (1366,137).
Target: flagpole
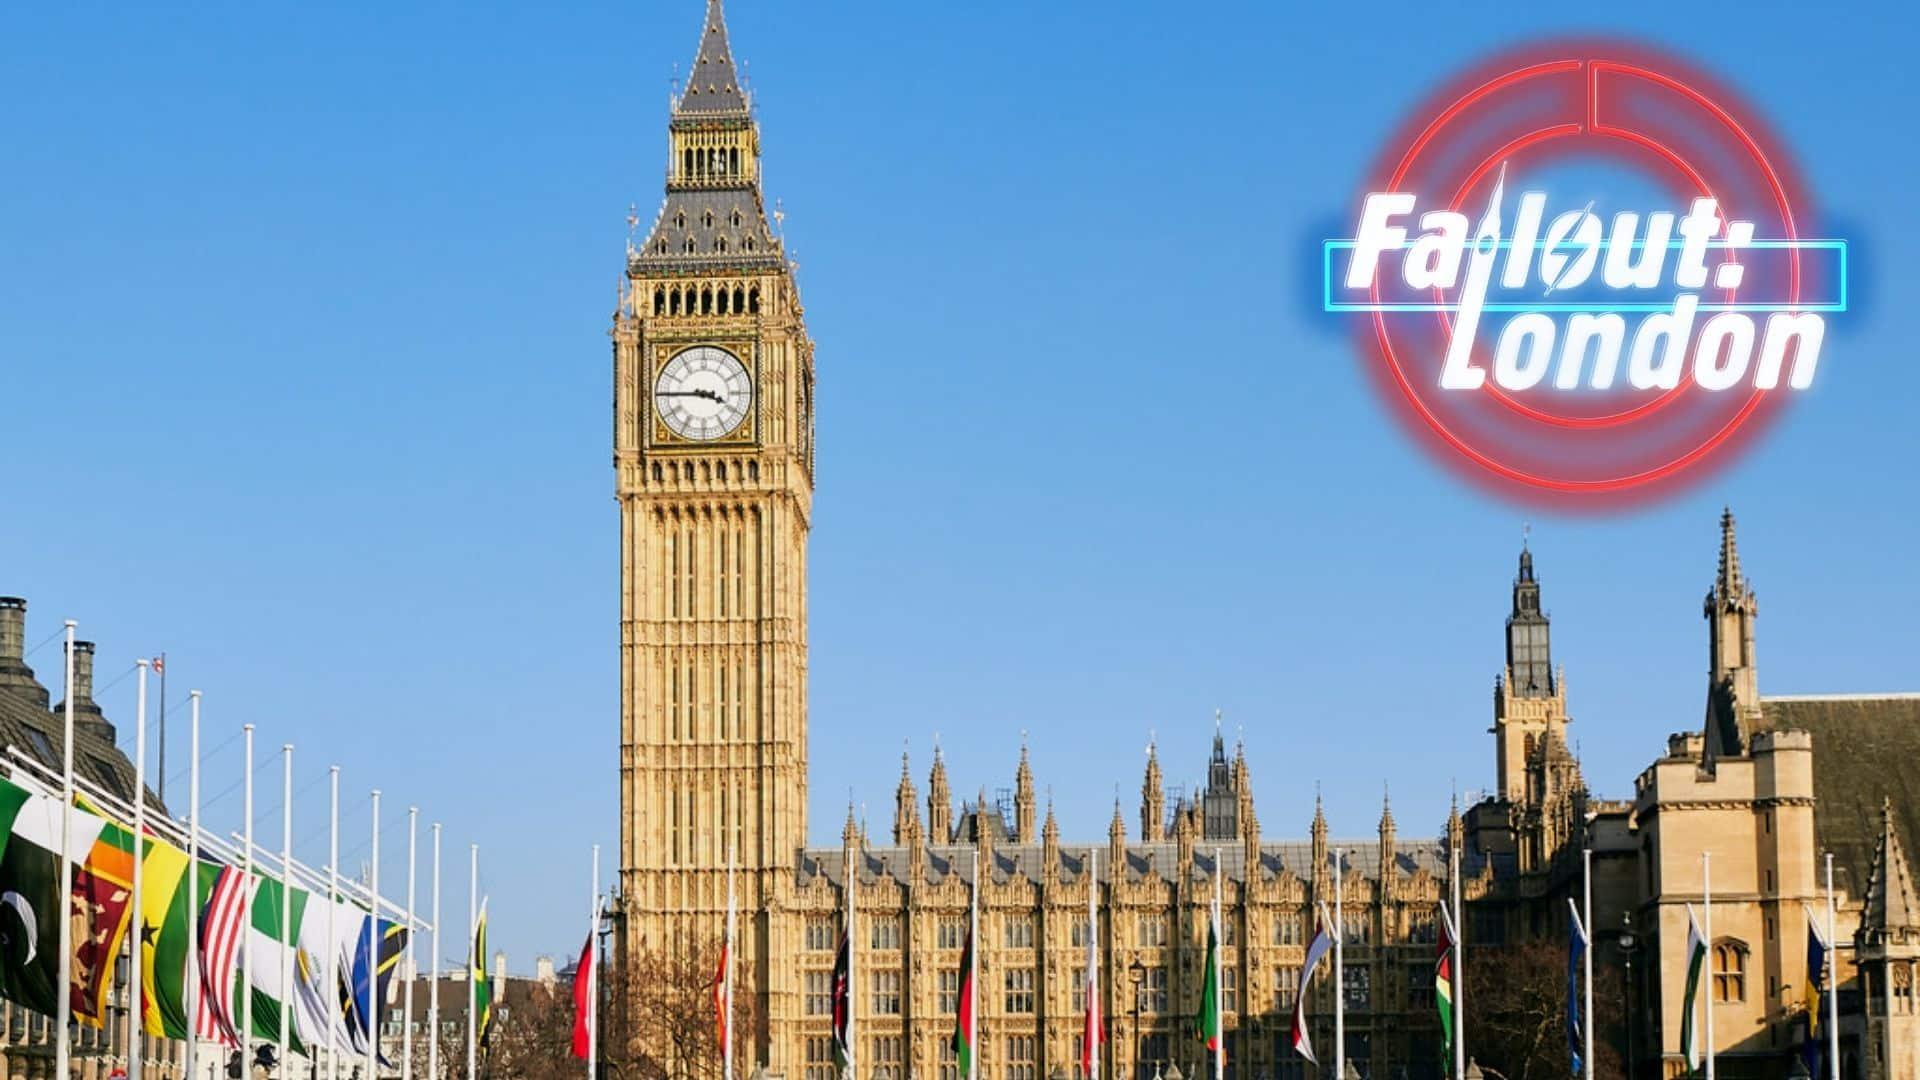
(593,973)
(433,985)
(1586,929)
(1219,1005)
(64,1010)
(475,962)
(373,949)
(1459,972)
(853,965)
(136,1018)
(726,1019)
(331,968)
(973,977)
(1706,904)
(246,915)
(1339,971)
(1833,983)
(286,906)
(193,881)
(406,1027)
(1095,1014)
(161,666)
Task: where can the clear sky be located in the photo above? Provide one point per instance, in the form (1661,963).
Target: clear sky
(306,382)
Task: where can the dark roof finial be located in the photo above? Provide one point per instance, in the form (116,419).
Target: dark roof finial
(1729,581)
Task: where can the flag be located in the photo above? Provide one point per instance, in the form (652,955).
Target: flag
(1696,965)
(160,665)
(318,1018)
(30,891)
(963,1030)
(1810,1052)
(843,1003)
(483,989)
(163,870)
(1206,1021)
(1443,991)
(102,895)
(723,996)
(584,992)
(223,925)
(274,928)
(1092,1031)
(361,973)
(1576,948)
(1317,950)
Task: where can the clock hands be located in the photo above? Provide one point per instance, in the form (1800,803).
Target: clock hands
(708,395)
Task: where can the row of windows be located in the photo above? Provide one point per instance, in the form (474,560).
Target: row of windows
(705,470)
(1151,931)
(704,300)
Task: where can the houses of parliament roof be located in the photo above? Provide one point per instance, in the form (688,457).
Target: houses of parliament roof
(30,726)
(1863,749)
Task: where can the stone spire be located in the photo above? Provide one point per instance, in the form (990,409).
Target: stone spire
(983,829)
(1320,874)
(1389,853)
(1023,798)
(939,800)
(1050,843)
(850,833)
(1456,829)
(1116,841)
(906,805)
(1892,907)
(1184,835)
(1733,681)
(1153,799)
(713,86)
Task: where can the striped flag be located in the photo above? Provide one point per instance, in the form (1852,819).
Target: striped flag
(1443,991)
(222,927)
(963,1020)
(1696,966)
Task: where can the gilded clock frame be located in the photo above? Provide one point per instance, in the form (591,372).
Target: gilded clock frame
(747,433)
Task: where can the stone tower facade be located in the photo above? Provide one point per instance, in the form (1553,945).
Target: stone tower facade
(713,385)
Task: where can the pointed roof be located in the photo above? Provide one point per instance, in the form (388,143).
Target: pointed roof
(1891,904)
(1729,582)
(713,86)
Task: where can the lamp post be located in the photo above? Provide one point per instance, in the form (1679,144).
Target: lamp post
(1137,974)
(1628,946)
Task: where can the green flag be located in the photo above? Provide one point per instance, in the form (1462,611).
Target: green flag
(30,891)
(483,989)
(1696,963)
(1206,1022)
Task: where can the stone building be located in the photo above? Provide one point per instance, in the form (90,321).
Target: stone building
(713,393)
(32,727)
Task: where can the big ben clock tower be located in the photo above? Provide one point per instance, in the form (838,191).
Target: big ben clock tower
(713,450)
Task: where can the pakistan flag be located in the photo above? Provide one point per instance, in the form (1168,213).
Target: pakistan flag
(30,827)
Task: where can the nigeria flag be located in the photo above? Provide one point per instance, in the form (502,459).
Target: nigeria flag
(30,828)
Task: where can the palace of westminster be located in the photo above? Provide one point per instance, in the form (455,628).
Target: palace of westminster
(713,451)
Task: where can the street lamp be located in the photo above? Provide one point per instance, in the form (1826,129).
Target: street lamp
(1628,946)
(1137,974)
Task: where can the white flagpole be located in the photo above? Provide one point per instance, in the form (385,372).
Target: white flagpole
(1459,975)
(1833,983)
(1219,959)
(476,963)
(593,972)
(973,977)
(64,1010)
(726,1042)
(193,883)
(286,907)
(1093,965)
(373,949)
(331,968)
(136,1018)
(1586,924)
(406,1027)
(1339,971)
(853,962)
(433,984)
(246,915)
(1706,904)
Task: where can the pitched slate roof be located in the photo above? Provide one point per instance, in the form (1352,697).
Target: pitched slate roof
(28,725)
(713,86)
(1890,900)
(1863,749)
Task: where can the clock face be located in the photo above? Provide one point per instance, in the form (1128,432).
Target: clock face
(703,393)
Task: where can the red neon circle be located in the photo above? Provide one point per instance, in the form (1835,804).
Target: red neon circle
(1591,125)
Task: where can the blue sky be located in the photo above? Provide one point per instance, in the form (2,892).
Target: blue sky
(306,383)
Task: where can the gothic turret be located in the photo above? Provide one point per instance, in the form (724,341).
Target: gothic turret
(1320,874)
(1733,681)
(1220,805)
(1389,854)
(939,801)
(1050,844)
(1116,841)
(1529,697)
(850,832)
(906,805)
(1023,799)
(1153,799)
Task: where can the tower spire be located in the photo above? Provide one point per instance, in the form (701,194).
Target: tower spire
(1729,582)
(713,86)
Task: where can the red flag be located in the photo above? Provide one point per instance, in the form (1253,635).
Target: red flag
(722,996)
(584,978)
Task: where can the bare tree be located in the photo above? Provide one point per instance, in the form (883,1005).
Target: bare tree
(1517,1012)
(667,1009)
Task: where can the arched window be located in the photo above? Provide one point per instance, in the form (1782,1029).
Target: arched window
(736,219)
(708,219)
(739,298)
(706,301)
(656,472)
(680,220)
(733,161)
(748,242)
(720,244)
(659,301)
(686,164)
(1730,971)
(753,300)
(673,302)
(691,247)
